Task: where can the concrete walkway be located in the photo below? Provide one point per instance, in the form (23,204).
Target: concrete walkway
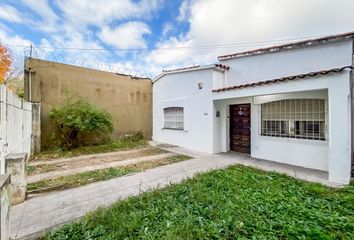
(33,217)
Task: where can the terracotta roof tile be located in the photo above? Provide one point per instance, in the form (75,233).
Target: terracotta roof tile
(278,80)
(222,66)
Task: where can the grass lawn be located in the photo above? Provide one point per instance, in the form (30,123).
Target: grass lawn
(124,143)
(99,175)
(236,203)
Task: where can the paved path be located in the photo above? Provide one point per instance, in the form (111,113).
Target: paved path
(31,218)
(35,215)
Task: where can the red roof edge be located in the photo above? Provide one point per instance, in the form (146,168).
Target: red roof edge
(222,66)
(288,46)
(294,77)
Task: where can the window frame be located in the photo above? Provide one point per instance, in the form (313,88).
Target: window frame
(294,127)
(182,117)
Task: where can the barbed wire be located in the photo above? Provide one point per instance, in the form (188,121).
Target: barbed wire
(77,56)
(18,58)
(87,62)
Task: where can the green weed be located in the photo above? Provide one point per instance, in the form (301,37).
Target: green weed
(236,203)
(98,175)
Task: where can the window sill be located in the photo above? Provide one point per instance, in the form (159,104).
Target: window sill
(296,140)
(174,129)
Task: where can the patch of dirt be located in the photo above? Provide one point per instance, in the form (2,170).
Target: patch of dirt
(81,179)
(90,161)
(165,145)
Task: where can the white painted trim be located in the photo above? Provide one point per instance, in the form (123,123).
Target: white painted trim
(296,140)
(316,94)
(200,68)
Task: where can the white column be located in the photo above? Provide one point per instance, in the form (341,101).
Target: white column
(339,127)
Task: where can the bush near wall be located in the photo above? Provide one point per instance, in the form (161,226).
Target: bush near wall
(80,123)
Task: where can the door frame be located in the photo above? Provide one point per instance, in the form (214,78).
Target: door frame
(230,126)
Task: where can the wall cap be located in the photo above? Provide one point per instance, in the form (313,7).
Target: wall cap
(15,156)
(5,179)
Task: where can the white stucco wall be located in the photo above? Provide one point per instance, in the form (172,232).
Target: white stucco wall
(206,132)
(219,79)
(300,152)
(333,155)
(305,153)
(181,90)
(287,63)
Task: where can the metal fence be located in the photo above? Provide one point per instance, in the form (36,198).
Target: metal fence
(15,125)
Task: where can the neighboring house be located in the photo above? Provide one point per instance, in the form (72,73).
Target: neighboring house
(288,104)
(127,98)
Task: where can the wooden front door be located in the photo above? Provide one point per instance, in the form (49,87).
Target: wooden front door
(240,131)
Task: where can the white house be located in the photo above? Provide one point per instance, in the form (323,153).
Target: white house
(290,104)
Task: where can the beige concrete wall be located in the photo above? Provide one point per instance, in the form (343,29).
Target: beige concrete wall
(128,99)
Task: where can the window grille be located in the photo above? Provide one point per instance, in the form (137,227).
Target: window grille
(294,118)
(173,118)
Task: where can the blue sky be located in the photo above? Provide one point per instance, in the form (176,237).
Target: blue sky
(145,36)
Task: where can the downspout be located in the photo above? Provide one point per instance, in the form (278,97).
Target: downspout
(352,110)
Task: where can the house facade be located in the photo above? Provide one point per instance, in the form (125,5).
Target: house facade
(290,104)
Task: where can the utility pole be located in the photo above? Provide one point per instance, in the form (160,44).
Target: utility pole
(30,77)
(31,47)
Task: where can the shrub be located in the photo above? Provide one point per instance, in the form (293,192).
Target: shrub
(78,122)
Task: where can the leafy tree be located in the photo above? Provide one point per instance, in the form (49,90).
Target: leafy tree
(78,122)
(5,62)
(14,77)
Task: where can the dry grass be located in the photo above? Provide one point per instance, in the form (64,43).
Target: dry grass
(98,175)
(124,143)
(76,163)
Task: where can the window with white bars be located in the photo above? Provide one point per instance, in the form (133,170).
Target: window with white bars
(173,118)
(294,118)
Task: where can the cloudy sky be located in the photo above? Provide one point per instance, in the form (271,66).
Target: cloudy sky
(146,36)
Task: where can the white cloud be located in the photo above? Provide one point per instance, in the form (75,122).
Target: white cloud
(184,10)
(170,52)
(238,21)
(43,9)
(70,27)
(209,22)
(13,39)
(97,13)
(127,35)
(167,28)
(10,14)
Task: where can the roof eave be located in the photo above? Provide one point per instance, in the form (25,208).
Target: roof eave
(218,67)
(283,79)
(290,46)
